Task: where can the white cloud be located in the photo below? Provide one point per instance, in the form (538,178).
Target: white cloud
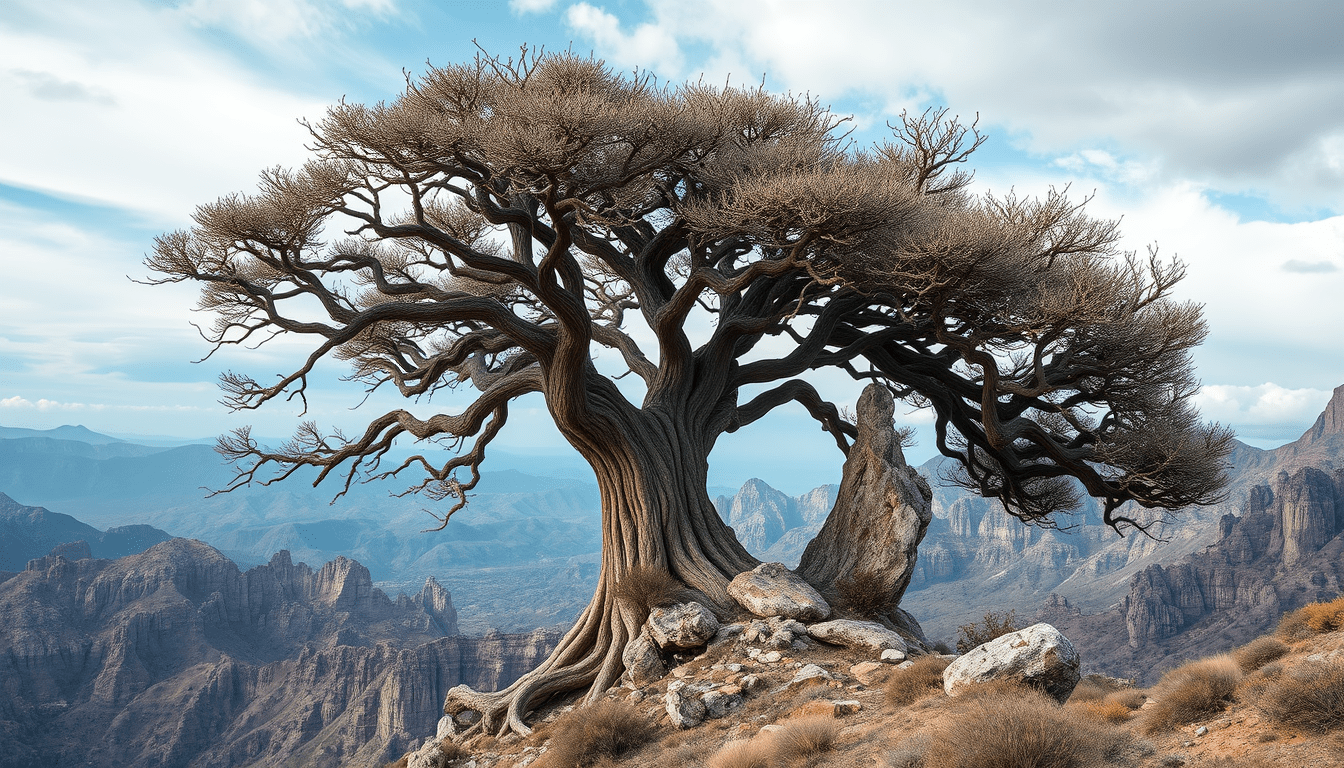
(650,46)
(275,21)
(43,404)
(1264,405)
(531,6)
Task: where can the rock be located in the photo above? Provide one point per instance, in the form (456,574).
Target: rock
(446,727)
(727,632)
(847,707)
(731,690)
(770,658)
(808,675)
(718,703)
(685,709)
(858,634)
(685,625)
(770,589)
(427,756)
(751,683)
(781,640)
(881,512)
(642,661)
(867,672)
(757,632)
(1038,655)
(893,656)
(1201,730)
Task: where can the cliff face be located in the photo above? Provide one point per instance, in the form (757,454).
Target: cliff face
(174,657)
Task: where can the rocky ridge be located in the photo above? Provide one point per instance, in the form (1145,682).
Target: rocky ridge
(174,657)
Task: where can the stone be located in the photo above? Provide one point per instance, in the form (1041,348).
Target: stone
(881,512)
(1039,656)
(757,632)
(868,672)
(685,625)
(726,632)
(718,703)
(684,708)
(847,707)
(1201,730)
(731,689)
(446,727)
(808,675)
(751,683)
(771,657)
(857,634)
(642,661)
(893,656)
(781,640)
(770,589)
(734,668)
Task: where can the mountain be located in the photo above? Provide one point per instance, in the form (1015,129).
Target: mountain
(78,433)
(174,657)
(30,532)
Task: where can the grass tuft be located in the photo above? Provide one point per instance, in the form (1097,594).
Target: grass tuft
(649,587)
(923,677)
(755,753)
(1312,619)
(803,737)
(1310,697)
(1191,692)
(588,735)
(1259,652)
(863,593)
(995,624)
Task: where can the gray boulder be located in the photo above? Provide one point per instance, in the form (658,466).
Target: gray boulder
(770,589)
(1039,656)
(684,708)
(642,661)
(685,625)
(858,634)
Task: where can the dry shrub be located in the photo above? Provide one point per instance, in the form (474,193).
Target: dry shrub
(1087,690)
(452,750)
(589,734)
(755,753)
(1312,619)
(649,587)
(1254,685)
(909,753)
(803,737)
(1026,729)
(864,593)
(1193,691)
(923,677)
(1131,698)
(1004,686)
(399,763)
(1103,710)
(1238,762)
(1259,652)
(977,633)
(1310,697)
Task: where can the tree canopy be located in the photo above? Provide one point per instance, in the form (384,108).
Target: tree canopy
(503,220)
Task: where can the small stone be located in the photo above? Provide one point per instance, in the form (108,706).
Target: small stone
(800,645)
(685,625)
(866,672)
(684,710)
(893,656)
(717,703)
(734,668)
(731,690)
(751,683)
(635,697)
(905,665)
(781,640)
(642,661)
(771,657)
(810,674)
(753,653)
(847,707)
(1201,730)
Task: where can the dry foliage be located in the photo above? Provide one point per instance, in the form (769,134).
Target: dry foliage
(1254,685)
(1310,697)
(1312,619)
(923,677)
(1105,710)
(803,737)
(452,750)
(599,731)
(1259,652)
(649,587)
(1026,729)
(864,593)
(1130,697)
(1087,690)
(754,753)
(1193,691)
(977,633)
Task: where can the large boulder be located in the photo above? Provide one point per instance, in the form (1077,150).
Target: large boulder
(857,634)
(683,705)
(881,512)
(685,625)
(642,661)
(1039,656)
(771,589)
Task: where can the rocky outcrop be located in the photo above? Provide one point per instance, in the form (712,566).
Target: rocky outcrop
(1039,656)
(27,533)
(880,514)
(174,657)
(857,634)
(770,589)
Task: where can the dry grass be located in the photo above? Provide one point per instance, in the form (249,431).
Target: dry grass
(1103,710)
(1254,685)
(452,750)
(1130,697)
(796,743)
(864,594)
(1310,697)
(1088,690)
(1259,652)
(1238,762)
(649,587)
(588,735)
(977,633)
(922,678)
(1312,619)
(755,753)
(1023,729)
(1191,692)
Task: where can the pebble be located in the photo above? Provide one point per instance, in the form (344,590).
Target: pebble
(771,657)
(1203,729)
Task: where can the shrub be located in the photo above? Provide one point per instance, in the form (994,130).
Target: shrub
(978,633)
(1105,710)
(803,737)
(1312,619)
(755,753)
(909,753)
(1130,697)
(588,734)
(864,593)
(1026,729)
(1087,690)
(943,648)
(923,677)
(1259,652)
(452,750)
(1310,697)
(1254,685)
(1193,691)
(649,587)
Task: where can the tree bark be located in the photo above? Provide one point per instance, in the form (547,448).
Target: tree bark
(652,472)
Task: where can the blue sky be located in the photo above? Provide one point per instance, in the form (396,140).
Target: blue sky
(1216,130)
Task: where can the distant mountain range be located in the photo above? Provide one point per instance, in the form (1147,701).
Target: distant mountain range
(174,657)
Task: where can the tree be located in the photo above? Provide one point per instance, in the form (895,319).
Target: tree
(502,220)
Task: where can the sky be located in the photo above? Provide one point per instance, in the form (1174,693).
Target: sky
(1213,130)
